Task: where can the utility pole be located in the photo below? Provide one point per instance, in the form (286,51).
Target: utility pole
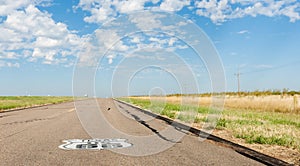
(238,74)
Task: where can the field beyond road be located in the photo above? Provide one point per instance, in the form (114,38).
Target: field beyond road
(268,124)
(12,102)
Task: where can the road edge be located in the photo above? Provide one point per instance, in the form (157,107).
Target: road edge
(250,153)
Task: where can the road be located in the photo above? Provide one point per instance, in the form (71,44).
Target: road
(32,137)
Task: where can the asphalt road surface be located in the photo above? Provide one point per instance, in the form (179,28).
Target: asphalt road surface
(32,137)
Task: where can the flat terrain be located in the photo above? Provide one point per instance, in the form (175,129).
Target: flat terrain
(32,137)
(12,102)
(268,124)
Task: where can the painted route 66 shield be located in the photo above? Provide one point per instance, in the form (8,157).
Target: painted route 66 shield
(94,144)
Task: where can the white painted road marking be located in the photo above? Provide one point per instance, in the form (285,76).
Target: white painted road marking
(94,144)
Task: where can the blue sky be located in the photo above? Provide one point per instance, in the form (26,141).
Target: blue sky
(51,47)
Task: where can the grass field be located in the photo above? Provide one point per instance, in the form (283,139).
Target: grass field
(267,120)
(269,103)
(10,102)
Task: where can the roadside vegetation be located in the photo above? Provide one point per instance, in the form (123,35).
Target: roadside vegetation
(263,119)
(11,102)
(283,92)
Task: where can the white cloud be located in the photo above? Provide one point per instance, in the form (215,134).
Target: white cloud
(182,23)
(291,12)
(6,7)
(243,32)
(110,58)
(110,40)
(99,13)
(172,41)
(8,55)
(220,11)
(135,39)
(146,21)
(104,10)
(32,34)
(45,42)
(130,6)
(154,39)
(174,5)
(260,9)
(104,42)
(9,64)
(217,10)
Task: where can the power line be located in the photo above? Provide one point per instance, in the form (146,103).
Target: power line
(238,74)
(272,68)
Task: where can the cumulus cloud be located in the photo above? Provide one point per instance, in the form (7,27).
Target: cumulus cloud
(8,55)
(129,6)
(223,10)
(174,5)
(31,34)
(103,10)
(6,7)
(146,21)
(103,42)
(100,10)
(136,39)
(217,10)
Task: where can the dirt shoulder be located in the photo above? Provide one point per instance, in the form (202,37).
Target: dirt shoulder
(289,155)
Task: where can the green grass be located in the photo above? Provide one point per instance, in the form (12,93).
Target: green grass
(10,102)
(272,128)
(254,126)
(281,140)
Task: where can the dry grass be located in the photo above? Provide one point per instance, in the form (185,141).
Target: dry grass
(274,103)
(269,124)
